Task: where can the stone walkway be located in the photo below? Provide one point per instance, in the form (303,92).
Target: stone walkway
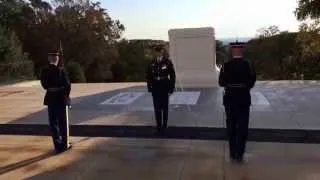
(31,157)
(276,105)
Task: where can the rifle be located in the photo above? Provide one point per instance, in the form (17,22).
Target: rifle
(61,63)
(61,66)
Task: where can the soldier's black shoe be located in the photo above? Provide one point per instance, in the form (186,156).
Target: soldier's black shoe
(165,123)
(164,127)
(58,151)
(233,155)
(233,158)
(158,131)
(69,147)
(238,160)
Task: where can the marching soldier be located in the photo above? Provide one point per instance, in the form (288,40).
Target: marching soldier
(161,83)
(237,77)
(57,85)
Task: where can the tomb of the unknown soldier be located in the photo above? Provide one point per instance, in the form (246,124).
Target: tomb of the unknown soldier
(193,53)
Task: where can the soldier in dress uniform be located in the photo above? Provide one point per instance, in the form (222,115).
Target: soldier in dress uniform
(237,77)
(57,85)
(161,83)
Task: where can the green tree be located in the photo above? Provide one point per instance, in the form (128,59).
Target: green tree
(75,72)
(14,64)
(309,46)
(308,9)
(273,56)
(134,56)
(309,38)
(88,34)
(268,31)
(94,34)
(221,53)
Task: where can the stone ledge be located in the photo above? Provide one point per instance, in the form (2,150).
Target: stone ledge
(195,133)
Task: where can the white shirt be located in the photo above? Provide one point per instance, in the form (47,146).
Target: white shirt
(159,59)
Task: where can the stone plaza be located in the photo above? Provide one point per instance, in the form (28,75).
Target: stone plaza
(278,105)
(113,125)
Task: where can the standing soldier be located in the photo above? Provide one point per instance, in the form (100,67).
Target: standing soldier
(161,83)
(237,77)
(55,81)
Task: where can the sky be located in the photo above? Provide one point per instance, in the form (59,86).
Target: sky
(151,19)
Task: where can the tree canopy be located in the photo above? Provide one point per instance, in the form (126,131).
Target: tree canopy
(308,9)
(94,50)
(87,33)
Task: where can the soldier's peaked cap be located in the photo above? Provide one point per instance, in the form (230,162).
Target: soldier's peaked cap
(237,44)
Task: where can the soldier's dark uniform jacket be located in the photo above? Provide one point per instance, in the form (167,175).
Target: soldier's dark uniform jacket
(161,82)
(161,76)
(57,84)
(55,81)
(237,77)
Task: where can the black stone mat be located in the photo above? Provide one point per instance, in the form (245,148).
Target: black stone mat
(192,133)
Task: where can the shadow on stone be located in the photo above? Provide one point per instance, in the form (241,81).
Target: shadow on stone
(14,166)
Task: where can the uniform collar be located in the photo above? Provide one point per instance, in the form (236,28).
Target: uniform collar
(237,58)
(52,64)
(159,58)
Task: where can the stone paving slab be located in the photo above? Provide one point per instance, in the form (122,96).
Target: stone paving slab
(114,158)
(276,105)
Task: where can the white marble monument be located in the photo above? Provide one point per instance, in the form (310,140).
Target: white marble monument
(192,51)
